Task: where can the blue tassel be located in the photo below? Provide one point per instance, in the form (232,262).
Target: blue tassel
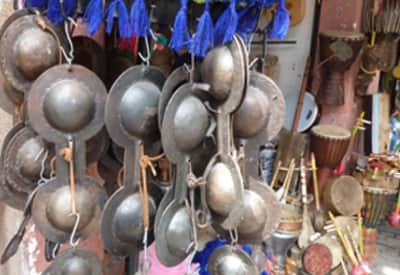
(248,19)
(280,26)
(204,37)
(265,3)
(39,4)
(54,12)
(93,15)
(180,36)
(226,25)
(70,7)
(124,26)
(140,19)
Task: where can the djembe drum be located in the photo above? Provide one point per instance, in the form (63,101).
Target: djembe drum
(377,204)
(338,50)
(329,143)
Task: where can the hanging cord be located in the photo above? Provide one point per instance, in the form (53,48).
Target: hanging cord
(144,163)
(70,56)
(68,155)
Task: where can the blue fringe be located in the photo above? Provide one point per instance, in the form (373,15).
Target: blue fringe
(39,4)
(93,15)
(124,27)
(281,23)
(180,36)
(140,19)
(204,37)
(226,25)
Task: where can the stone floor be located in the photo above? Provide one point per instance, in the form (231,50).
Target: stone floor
(388,252)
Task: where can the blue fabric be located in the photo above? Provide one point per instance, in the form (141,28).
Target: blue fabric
(204,37)
(226,25)
(248,19)
(281,23)
(140,19)
(54,12)
(93,15)
(39,4)
(180,36)
(203,256)
(124,27)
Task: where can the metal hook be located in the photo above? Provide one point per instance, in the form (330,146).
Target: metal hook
(55,249)
(233,234)
(42,178)
(146,60)
(72,240)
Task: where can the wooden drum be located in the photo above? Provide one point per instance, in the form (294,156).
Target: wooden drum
(377,204)
(329,143)
(338,51)
(344,196)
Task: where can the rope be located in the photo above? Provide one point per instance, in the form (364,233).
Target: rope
(144,163)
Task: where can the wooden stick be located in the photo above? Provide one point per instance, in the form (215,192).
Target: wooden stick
(344,267)
(315,181)
(275,176)
(354,244)
(360,233)
(343,239)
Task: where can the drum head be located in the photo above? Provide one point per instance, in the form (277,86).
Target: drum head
(309,112)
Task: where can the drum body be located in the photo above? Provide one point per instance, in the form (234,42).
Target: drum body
(377,205)
(338,50)
(329,143)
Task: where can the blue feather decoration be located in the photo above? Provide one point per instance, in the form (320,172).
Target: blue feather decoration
(39,4)
(226,25)
(124,27)
(140,19)
(180,36)
(204,37)
(93,15)
(281,23)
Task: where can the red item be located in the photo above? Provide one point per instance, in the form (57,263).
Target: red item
(394,219)
(131,44)
(340,169)
(317,259)
(358,270)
